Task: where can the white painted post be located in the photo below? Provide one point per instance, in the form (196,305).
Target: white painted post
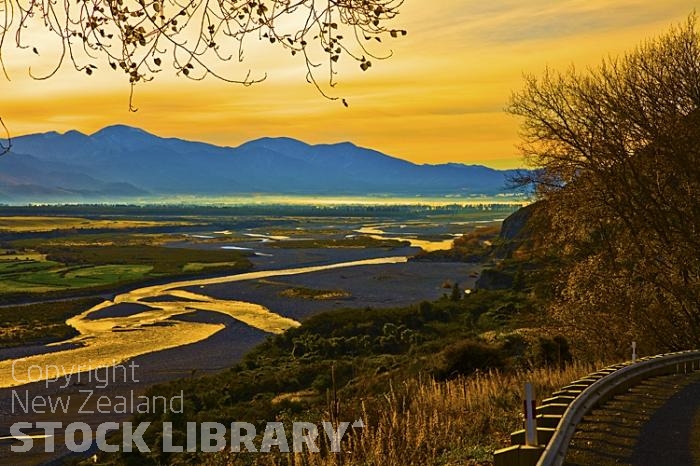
(634,351)
(530,423)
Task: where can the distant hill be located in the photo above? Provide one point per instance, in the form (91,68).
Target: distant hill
(121,162)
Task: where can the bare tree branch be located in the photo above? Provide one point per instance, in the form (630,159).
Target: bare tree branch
(6,145)
(198,37)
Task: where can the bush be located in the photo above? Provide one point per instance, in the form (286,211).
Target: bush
(466,357)
(551,352)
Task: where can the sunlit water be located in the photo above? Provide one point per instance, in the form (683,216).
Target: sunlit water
(104,342)
(375,232)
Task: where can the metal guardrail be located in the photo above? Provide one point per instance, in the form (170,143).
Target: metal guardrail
(586,394)
(606,387)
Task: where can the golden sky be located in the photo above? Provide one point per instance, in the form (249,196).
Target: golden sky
(440,98)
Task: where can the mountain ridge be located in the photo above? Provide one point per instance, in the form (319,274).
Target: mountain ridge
(123,161)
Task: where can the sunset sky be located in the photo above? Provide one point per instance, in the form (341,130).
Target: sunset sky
(440,98)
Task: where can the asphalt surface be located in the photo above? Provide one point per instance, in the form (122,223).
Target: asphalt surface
(667,438)
(654,424)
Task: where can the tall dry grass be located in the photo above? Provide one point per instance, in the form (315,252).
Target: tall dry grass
(426,422)
(455,422)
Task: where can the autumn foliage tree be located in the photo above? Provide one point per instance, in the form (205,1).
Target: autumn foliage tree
(197,38)
(617,156)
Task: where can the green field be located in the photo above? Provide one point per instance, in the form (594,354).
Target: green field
(21,224)
(38,277)
(206,266)
(313,293)
(64,266)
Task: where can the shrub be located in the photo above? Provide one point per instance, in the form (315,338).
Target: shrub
(466,357)
(549,352)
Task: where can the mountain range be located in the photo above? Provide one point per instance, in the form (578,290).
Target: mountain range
(120,163)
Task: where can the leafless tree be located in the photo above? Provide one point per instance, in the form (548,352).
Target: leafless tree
(617,153)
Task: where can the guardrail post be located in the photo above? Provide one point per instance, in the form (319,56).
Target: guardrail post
(634,351)
(530,422)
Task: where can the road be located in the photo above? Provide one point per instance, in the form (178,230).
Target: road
(656,423)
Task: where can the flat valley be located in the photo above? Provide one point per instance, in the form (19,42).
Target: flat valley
(183,290)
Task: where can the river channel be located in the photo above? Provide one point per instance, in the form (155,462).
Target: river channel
(108,338)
